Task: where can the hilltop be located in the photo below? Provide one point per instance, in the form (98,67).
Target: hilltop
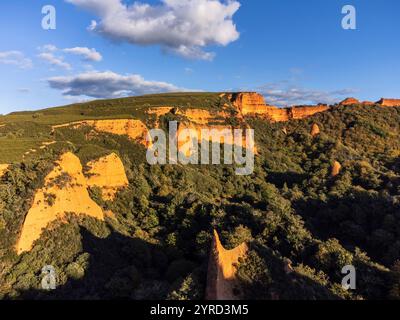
(77,193)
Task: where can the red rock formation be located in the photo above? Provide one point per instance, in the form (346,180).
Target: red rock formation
(134,129)
(221,276)
(217,135)
(336,168)
(315,131)
(69,197)
(249,103)
(253,104)
(3,169)
(278,115)
(349,102)
(305,112)
(389,102)
(367,103)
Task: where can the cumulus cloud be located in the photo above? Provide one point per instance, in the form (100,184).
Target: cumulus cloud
(51,54)
(48,48)
(54,60)
(184,27)
(108,84)
(86,53)
(15,58)
(288,95)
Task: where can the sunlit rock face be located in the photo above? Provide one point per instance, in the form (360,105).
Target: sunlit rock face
(107,173)
(298,113)
(315,130)
(65,191)
(389,102)
(336,169)
(3,169)
(221,277)
(134,129)
(253,104)
(349,102)
(249,103)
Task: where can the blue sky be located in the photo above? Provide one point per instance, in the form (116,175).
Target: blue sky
(291,51)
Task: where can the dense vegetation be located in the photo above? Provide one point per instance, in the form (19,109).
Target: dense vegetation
(302,224)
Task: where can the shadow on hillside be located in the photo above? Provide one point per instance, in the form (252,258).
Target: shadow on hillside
(284,282)
(119,267)
(279,179)
(122,268)
(362,221)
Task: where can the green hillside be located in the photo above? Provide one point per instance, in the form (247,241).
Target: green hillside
(23,131)
(291,211)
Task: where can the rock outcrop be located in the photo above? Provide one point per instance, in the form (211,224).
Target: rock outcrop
(159,111)
(315,131)
(3,169)
(217,135)
(221,277)
(46,144)
(367,103)
(136,130)
(251,104)
(336,168)
(203,117)
(107,173)
(64,191)
(389,102)
(274,114)
(349,102)
(298,113)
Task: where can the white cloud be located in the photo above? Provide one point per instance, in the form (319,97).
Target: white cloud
(281,94)
(86,53)
(24,90)
(50,53)
(185,27)
(192,53)
(108,84)
(55,61)
(15,58)
(48,48)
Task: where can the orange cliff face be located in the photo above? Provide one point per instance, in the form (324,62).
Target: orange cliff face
(134,129)
(389,102)
(336,168)
(349,102)
(315,130)
(107,173)
(222,268)
(305,112)
(367,103)
(66,191)
(217,134)
(249,103)
(253,104)
(3,169)
(279,115)
(202,117)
